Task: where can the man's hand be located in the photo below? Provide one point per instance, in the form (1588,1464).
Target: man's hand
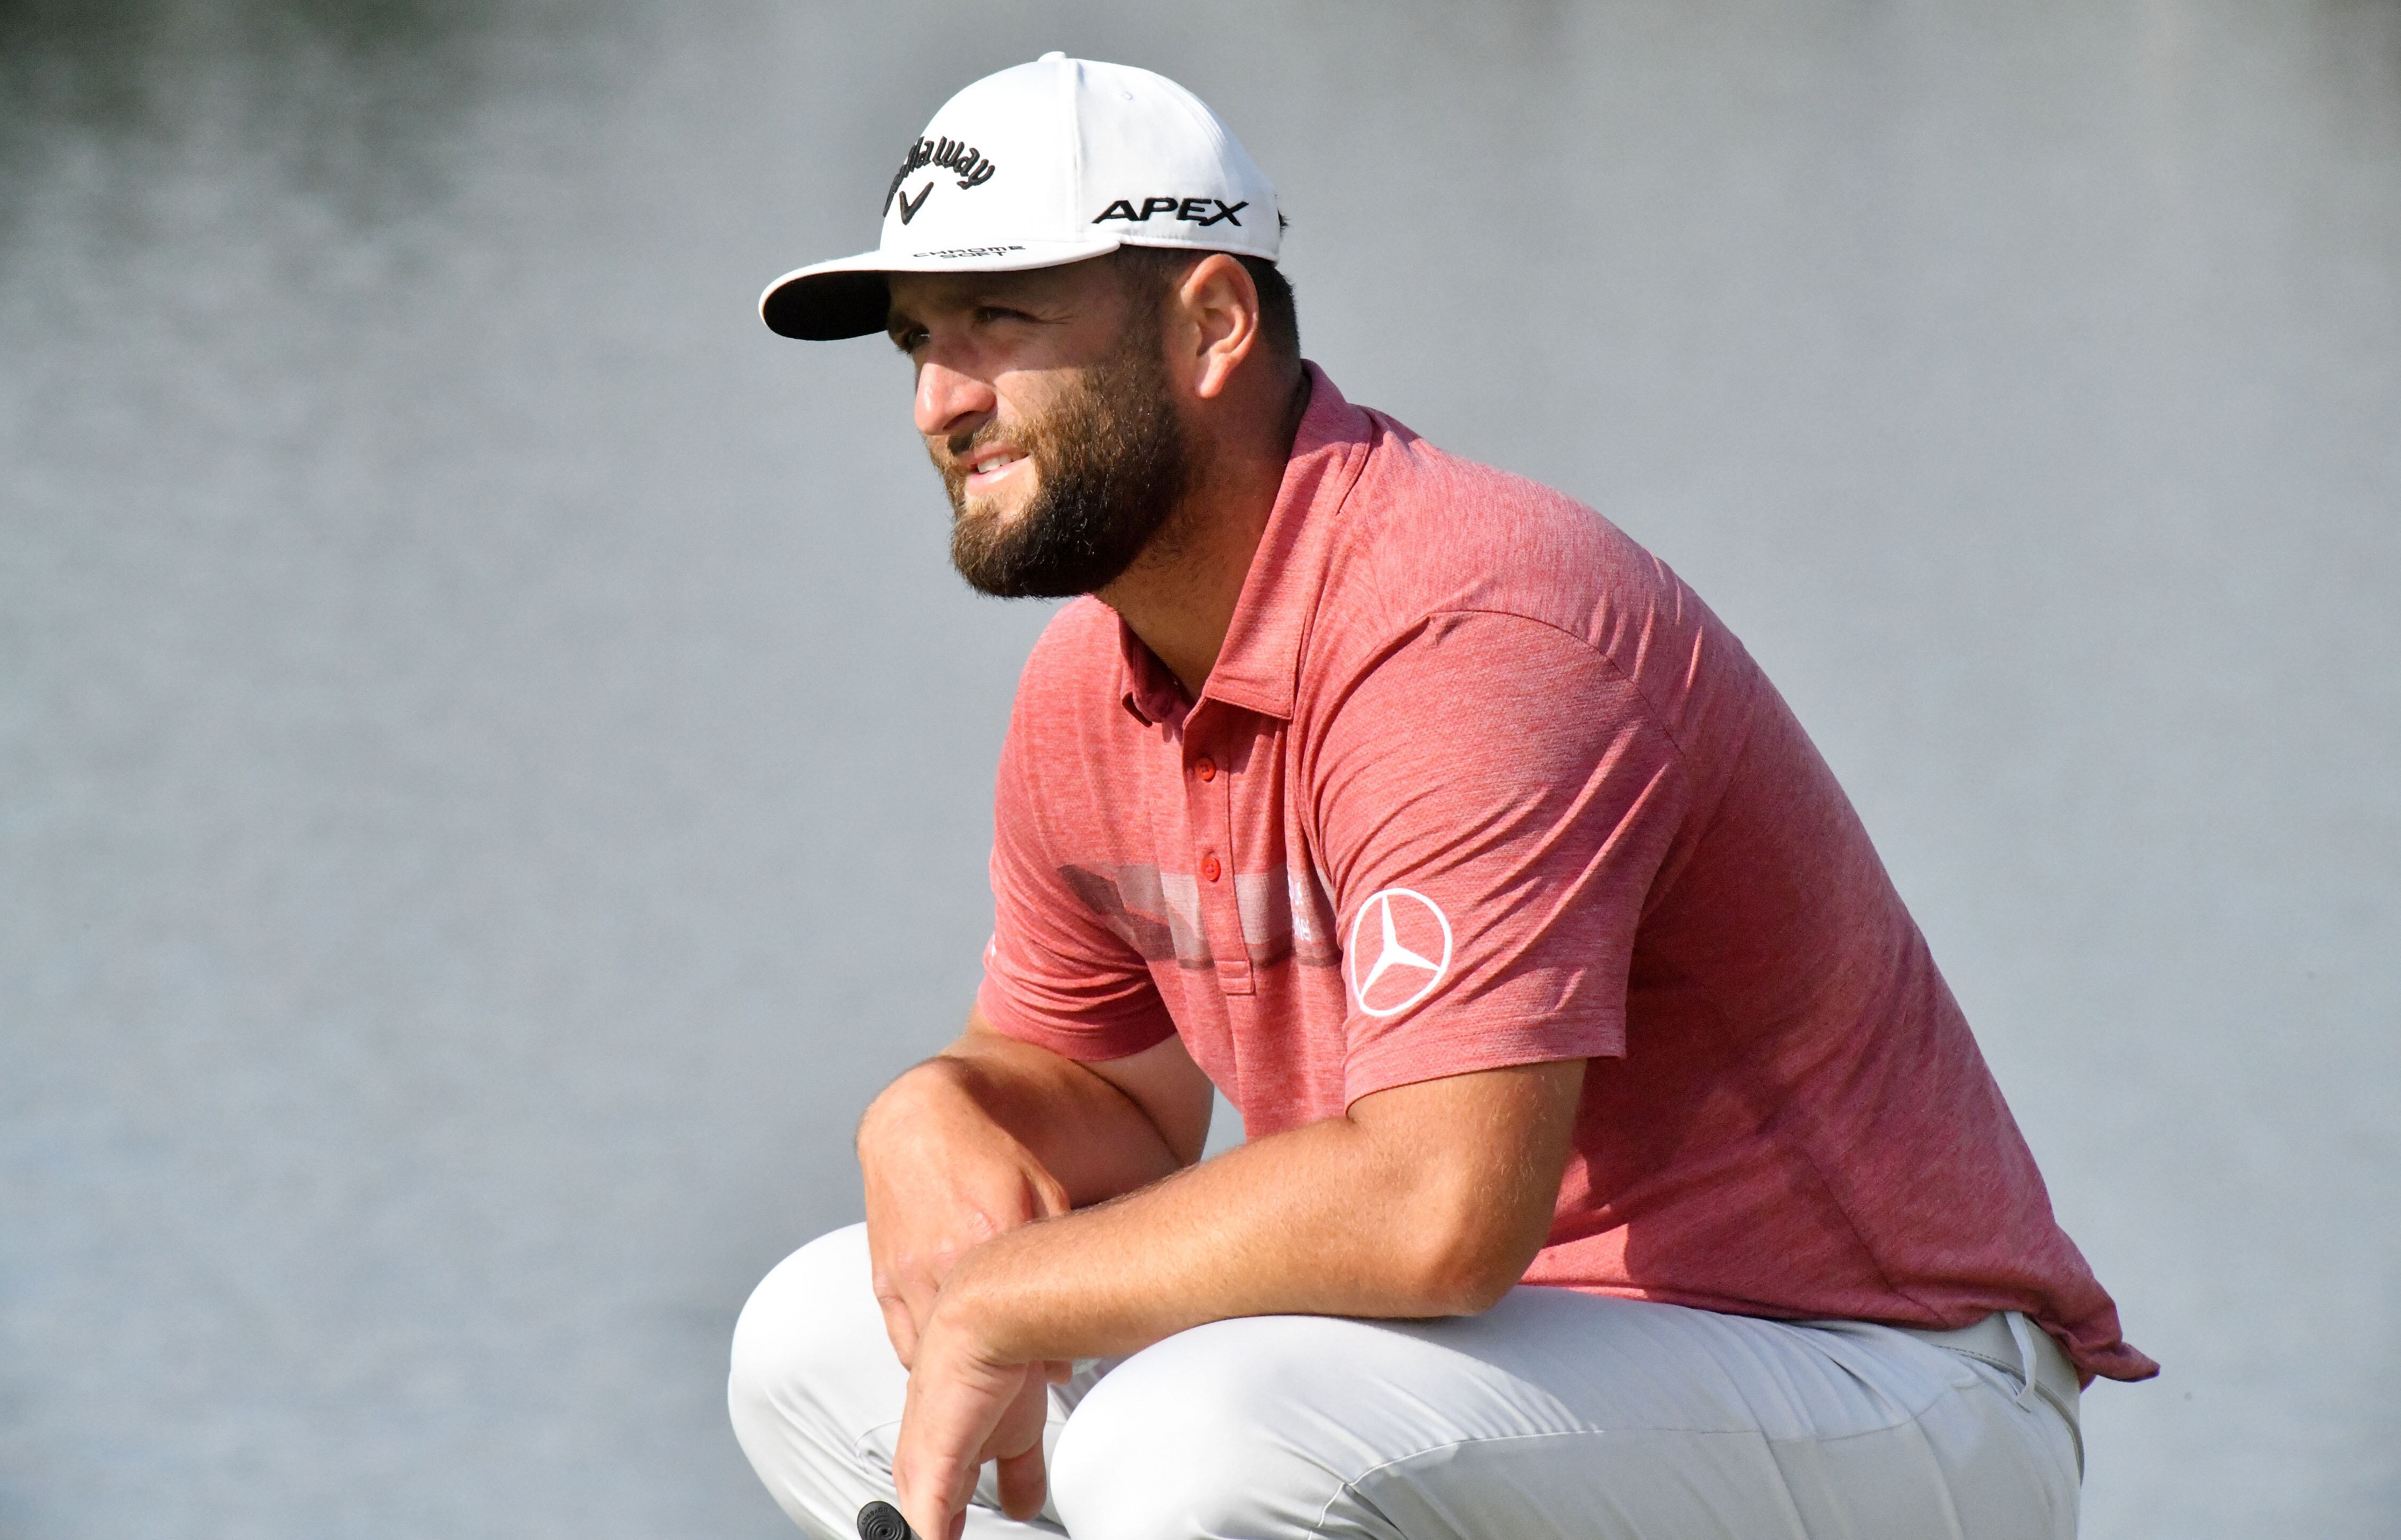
(964,1409)
(976,1144)
(942,1177)
(996,1134)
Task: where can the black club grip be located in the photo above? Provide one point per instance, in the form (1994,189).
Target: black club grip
(883,1521)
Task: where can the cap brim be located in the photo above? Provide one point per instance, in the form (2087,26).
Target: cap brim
(850,298)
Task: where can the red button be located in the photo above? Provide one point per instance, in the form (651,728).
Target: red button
(1209,868)
(1205,768)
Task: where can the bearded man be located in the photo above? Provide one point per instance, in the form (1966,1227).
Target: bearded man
(1619,1164)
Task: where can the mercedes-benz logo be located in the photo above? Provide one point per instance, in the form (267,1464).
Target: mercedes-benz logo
(1405,956)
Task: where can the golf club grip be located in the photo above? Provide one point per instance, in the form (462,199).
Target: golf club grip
(883,1521)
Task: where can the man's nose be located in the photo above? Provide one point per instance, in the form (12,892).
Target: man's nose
(948,399)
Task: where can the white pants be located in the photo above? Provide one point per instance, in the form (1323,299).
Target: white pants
(1554,1414)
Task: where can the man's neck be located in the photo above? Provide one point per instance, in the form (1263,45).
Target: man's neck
(1179,596)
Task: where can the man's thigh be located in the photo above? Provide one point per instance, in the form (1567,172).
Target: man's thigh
(1559,1415)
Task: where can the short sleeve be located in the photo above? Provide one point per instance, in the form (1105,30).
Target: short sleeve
(1056,974)
(1494,799)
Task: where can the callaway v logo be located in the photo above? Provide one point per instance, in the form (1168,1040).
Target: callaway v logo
(1398,962)
(1194,210)
(951,156)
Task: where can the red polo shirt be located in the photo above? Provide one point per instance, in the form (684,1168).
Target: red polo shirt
(1477,782)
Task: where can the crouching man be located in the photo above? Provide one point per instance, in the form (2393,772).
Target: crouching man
(1619,1163)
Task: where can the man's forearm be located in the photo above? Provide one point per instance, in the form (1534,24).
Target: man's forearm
(1090,1136)
(1422,1199)
(1340,1217)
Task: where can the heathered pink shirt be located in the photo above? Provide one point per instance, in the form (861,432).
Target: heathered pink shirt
(1477,782)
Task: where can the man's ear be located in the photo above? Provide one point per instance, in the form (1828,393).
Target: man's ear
(1220,306)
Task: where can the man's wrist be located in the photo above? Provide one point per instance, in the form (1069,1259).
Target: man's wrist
(921,1092)
(968,1313)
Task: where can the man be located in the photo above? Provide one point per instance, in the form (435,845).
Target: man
(1619,1163)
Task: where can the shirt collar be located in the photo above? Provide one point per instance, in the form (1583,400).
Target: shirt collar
(1151,691)
(1259,668)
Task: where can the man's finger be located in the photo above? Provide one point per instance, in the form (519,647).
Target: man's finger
(934,1499)
(960,1411)
(1019,1427)
(1024,1483)
(917,1296)
(900,1326)
(1015,1448)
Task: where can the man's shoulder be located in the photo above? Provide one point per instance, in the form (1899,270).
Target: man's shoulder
(1427,532)
(1078,649)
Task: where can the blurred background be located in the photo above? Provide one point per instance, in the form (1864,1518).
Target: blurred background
(494,764)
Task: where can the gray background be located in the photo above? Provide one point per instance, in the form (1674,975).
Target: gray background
(493,762)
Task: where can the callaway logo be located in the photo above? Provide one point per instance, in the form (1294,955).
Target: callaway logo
(948,153)
(1191,210)
(1399,962)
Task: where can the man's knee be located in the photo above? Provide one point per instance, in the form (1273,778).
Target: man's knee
(1196,1437)
(810,1331)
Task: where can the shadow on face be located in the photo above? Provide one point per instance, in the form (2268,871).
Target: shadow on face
(987,326)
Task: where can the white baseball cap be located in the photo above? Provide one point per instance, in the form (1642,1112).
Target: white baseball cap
(1042,164)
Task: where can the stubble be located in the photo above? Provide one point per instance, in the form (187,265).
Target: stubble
(1112,464)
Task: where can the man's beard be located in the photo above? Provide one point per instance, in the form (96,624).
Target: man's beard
(1111,466)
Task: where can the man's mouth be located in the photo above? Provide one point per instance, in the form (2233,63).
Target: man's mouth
(987,470)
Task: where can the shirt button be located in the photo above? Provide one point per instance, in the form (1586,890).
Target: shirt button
(1209,870)
(1205,768)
